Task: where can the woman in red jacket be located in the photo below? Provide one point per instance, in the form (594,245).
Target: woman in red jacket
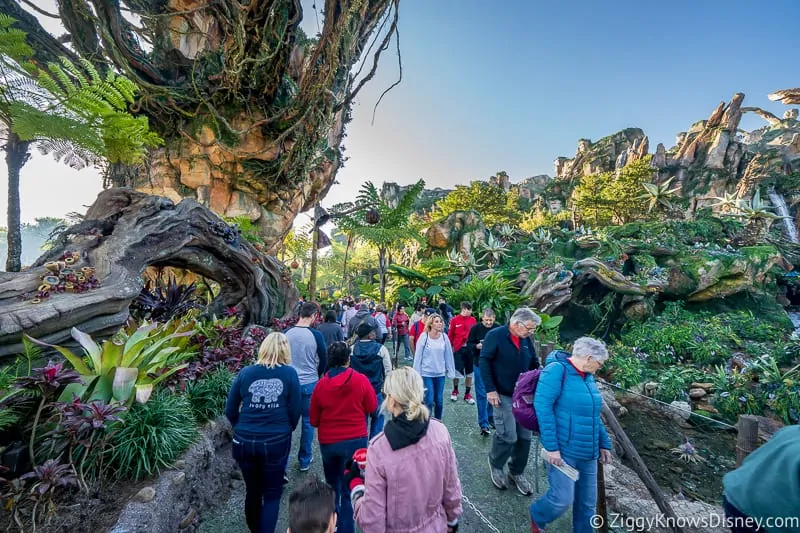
(340,404)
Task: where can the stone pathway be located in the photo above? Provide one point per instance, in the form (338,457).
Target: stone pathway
(486,509)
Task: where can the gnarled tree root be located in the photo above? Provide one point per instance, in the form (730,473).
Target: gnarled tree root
(123,233)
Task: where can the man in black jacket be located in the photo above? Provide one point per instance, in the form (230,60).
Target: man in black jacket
(475,342)
(506,353)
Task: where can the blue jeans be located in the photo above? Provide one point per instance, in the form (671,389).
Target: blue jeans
(485,409)
(304,452)
(404,339)
(375,420)
(334,457)
(434,395)
(263,465)
(563,492)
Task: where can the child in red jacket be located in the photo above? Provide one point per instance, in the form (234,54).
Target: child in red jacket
(459,333)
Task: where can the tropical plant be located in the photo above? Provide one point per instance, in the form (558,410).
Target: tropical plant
(162,301)
(208,394)
(223,343)
(67,110)
(493,249)
(541,240)
(659,196)
(507,233)
(548,329)
(393,227)
(151,436)
(129,366)
(726,203)
(464,260)
(625,368)
(493,291)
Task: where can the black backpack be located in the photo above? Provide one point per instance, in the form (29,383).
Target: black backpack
(367,361)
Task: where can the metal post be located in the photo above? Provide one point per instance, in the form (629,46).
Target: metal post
(747,440)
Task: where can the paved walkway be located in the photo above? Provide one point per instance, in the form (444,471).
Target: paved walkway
(486,509)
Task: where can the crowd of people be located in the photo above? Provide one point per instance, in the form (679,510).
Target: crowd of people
(388,459)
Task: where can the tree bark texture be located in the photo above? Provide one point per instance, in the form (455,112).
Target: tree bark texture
(16,157)
(251,110)
(123,233)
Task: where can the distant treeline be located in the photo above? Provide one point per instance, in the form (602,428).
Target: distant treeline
(34,237)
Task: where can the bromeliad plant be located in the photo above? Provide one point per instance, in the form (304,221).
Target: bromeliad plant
(130,365)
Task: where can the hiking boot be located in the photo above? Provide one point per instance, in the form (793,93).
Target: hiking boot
(454,396)
(522,484)
(498,479)
(469,399)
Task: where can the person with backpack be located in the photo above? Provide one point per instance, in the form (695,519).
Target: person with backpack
(434,361)
(568,405)
(475,343)
(373,360)
(384,325)
(330,329)
(363,315)
(507,352)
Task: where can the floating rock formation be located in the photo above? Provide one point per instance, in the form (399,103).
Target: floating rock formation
(461,230)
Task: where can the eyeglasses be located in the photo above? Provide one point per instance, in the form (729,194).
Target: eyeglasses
(530,329)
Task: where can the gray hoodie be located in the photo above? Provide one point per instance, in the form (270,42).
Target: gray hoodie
(361,316)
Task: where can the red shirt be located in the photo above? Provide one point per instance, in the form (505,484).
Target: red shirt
(401,323)
(515,340)
(340,405)
(459,330)
(581,372)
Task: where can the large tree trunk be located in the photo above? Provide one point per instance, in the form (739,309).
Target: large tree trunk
(251,110)
(123,233)
(16,157)
(382,267)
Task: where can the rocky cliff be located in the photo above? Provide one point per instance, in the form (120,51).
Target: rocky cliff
(714,157)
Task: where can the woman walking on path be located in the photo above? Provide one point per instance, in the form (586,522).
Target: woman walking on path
(433,361)
(568,406)
(340,405)
(411,477)
(264,406)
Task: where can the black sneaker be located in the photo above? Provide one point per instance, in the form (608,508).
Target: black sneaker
(491,422)
(485,432)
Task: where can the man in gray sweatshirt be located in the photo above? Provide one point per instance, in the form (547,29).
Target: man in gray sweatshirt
(363,316)
(309,359)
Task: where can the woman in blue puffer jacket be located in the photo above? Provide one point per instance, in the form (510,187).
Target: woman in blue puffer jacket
(568,407)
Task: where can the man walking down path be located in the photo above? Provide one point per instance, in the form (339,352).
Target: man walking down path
(400,322)
(310,359)
(372,359)
(363,316)
(507,352)
(475,343)
(459,333)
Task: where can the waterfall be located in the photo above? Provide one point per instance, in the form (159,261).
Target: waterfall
(780,204)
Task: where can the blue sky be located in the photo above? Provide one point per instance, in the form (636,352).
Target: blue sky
(511,85)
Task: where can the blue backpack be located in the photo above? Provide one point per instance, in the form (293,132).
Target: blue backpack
(522,398)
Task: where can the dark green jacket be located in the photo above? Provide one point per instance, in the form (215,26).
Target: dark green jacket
(768,482)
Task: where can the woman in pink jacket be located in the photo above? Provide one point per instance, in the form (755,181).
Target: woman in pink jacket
(410,483)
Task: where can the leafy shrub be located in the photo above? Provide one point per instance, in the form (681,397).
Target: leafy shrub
(208,394)
(223,344)
(674,382)
(624,367)
(151,436)
(733,395)
(492,291)
(679,336)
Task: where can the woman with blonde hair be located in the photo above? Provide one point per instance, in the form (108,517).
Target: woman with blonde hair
(433,360)
(410,482)
(264,406)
